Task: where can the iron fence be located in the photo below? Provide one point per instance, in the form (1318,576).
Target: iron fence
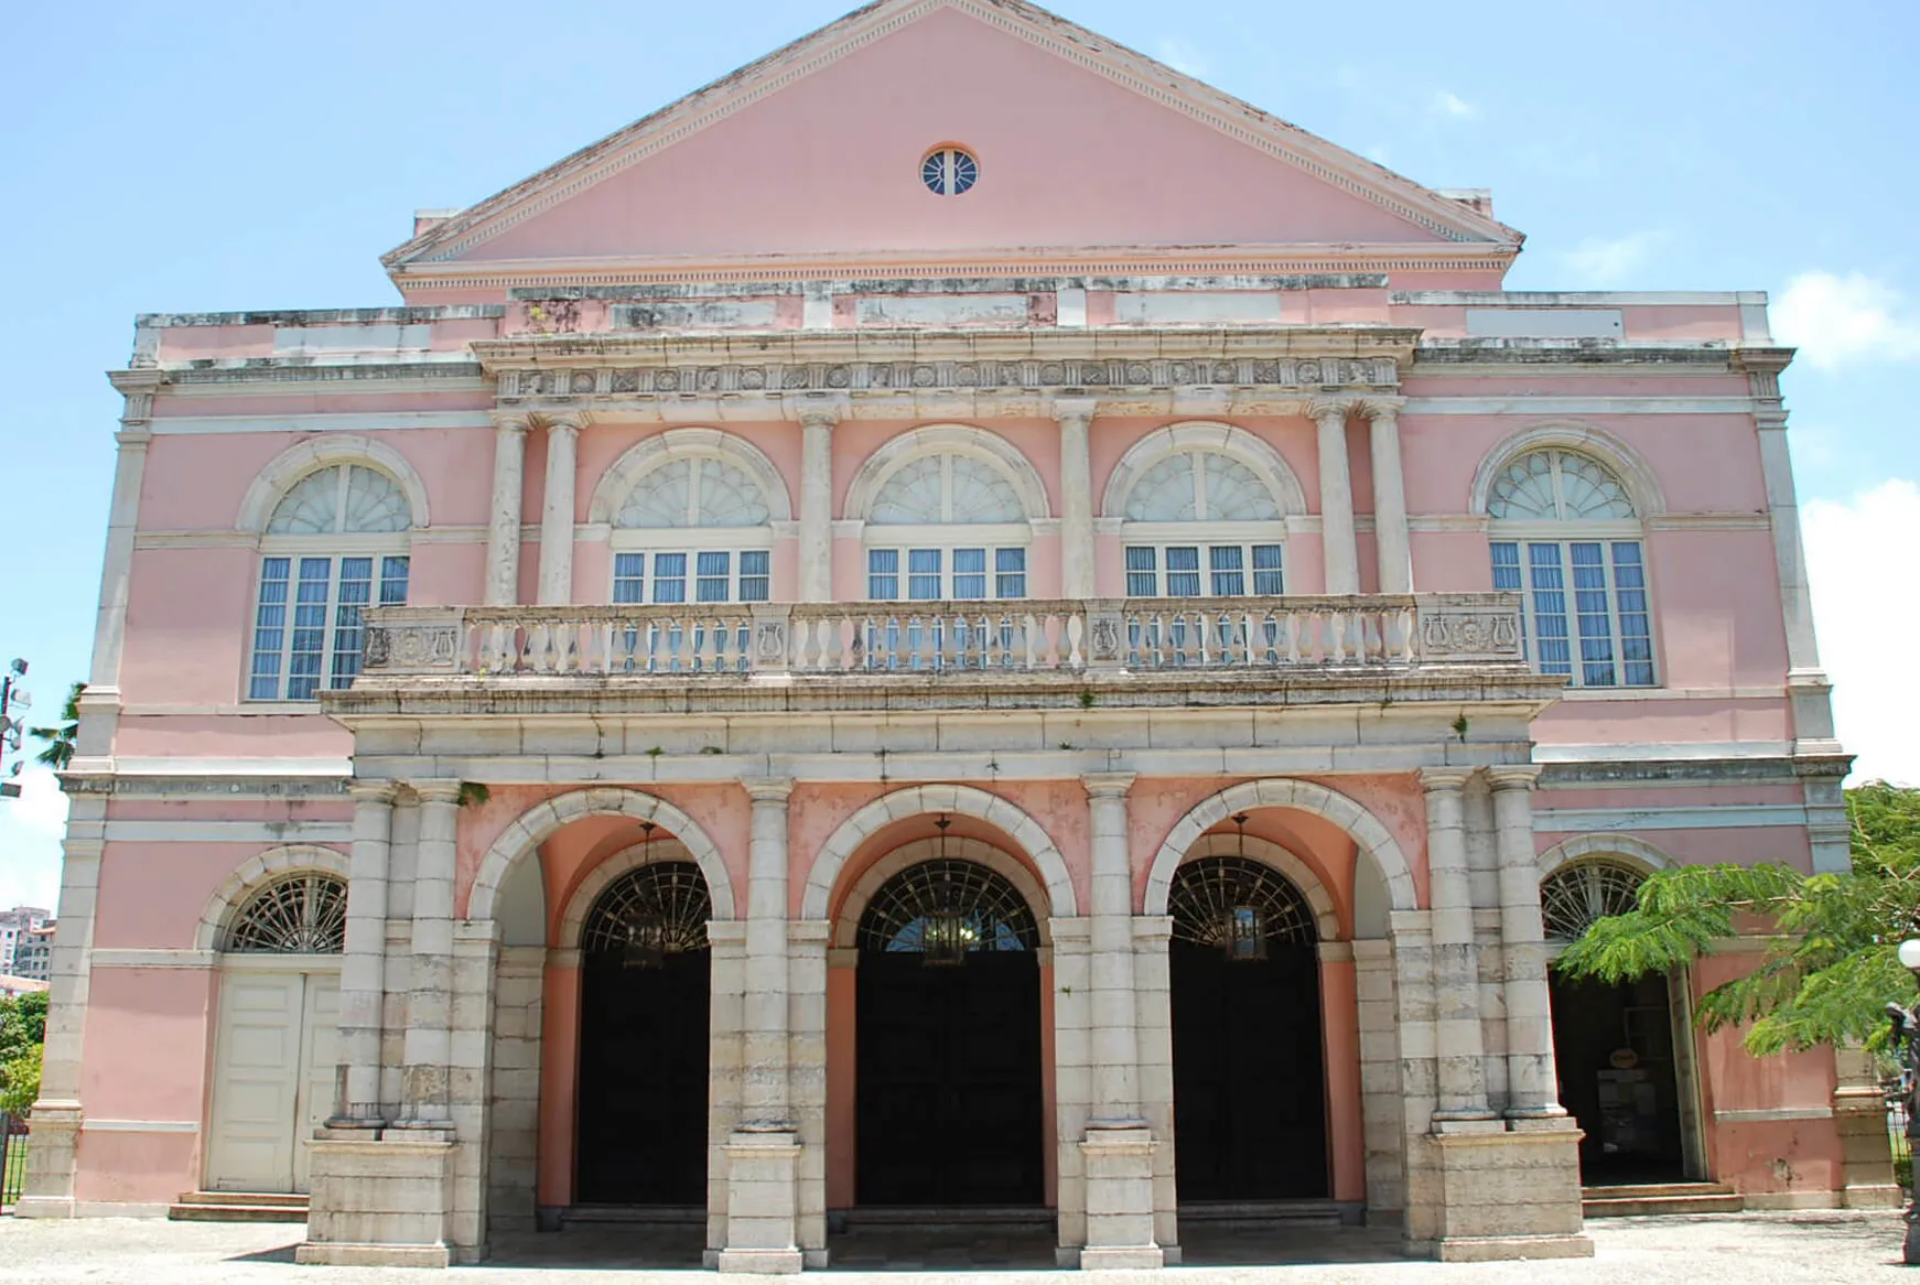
(1897,1138)
(13,1160)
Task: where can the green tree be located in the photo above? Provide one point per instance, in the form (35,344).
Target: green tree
(61,737)
(23,1033)
(1830,965)
(20,1082)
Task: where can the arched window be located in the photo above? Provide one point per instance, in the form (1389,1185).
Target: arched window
(304,913)
(696,528)
(335,544)
(1574,896)
(1201,524)
(947,527)
(1567,538)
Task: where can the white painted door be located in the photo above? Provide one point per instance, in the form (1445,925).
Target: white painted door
(273,1078)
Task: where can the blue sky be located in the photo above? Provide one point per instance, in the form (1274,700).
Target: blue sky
(216,156)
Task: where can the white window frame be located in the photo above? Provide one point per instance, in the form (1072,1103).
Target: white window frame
(1205,536)
(947,541)
(652,542)
(336,549)
(1565,535)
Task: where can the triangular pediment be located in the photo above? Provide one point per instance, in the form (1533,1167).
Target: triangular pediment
(814,153)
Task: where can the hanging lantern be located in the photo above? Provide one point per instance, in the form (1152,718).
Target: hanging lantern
(947,934)
(646,945)
(1243,928)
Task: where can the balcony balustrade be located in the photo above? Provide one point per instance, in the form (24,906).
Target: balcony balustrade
(947,639)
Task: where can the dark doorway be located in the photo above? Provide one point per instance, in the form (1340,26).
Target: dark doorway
(642,1111)
(1249,1092)
(948,1046)
(1613,1049)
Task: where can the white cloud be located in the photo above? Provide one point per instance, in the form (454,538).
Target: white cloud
(1600,262)
(1866,624)
(1181,56)
(1837,320)
(1449,104)
(31,828)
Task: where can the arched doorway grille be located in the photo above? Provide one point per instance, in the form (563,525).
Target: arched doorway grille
(945,911)
(1239,906)
(650,913)
(1574,896)
(297,914)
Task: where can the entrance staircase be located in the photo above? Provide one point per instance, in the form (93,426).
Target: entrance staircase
(238,1207)
(1662,1200)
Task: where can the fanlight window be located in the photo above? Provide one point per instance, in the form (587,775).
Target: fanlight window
(942,490)
(1238,906)
(1558,486)
(694,492)
(1201,486)
(1573,897)
(951,171)
(346,499)
(946,910)
(650,914)
(300,914)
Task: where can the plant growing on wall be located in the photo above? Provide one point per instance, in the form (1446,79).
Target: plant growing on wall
(1830,968)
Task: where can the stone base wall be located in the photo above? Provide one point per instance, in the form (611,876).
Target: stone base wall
(380,1200)
(1502,1193)
(513,1147)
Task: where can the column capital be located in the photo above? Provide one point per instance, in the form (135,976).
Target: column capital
(1438,779)
(512,421)
(1108,785)
(567,422)
(826,415)
(1080,408)
(1322,409)
(1379,408)
(373,791)
(770,789)
(437,791)
(1514,776)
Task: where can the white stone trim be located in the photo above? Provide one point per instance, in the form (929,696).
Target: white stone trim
(256,871)
(1770,1115)
(541,821)
(1700,817)
(1583,439)
(1360,825)
(320,422)
(946,439)
(846,925)
(1637,854)
(711,443)
(1326,920)
(141,958)
(195,831)
(580,905)
(294,463)
(919,800)
(140,1126)
(1596,405)
(1257,454)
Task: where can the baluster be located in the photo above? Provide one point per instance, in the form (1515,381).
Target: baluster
(1076,634)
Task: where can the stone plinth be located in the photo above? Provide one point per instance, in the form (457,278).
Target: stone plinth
(1119,1177)
(380,1200)
(762,1205)
(1509,1193)
(51,1148)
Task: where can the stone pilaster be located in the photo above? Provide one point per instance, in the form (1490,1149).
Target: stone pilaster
(1342,550)
(816,504)
(429,1040)
(726,1005)
(808,942)
(1389,495)
(556,513)
(1860,1119)
(363,965)
(1153,993)
(1075,416)
(1532,1086)
(504,518)
(1456,982)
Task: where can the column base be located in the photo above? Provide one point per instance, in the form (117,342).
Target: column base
(379,1201)
(1119,1185)
(762,1205)
(1506,1193)
(52,1161)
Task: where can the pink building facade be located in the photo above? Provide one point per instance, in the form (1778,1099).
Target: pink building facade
(824,660)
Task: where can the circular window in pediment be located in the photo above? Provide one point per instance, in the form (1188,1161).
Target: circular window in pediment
(950,171)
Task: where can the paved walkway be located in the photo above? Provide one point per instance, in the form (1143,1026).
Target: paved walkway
(1750,1249)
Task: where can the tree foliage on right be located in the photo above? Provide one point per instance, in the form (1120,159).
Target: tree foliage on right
(1830,965)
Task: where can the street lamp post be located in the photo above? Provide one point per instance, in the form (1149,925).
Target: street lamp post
(1906,1041)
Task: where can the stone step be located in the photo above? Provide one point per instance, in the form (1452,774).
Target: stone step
(1270,1213)
(254,1199)
(650,1215)
(1661,1200)
(238,1207)
(1013,1216)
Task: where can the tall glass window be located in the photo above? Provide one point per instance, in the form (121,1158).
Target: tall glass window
(1202,524)
(694,529)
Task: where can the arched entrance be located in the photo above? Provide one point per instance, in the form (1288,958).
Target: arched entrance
(948,1042)
(1614,1044)
(1248,1068)
(642,1106)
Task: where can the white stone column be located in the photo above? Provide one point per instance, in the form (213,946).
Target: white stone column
(816,504)
(1153,992)
(504,519)
(1462,1089)
(763,1153)
(1533,1089)
(1119,1149)
(1076,496)
(556,513)
(129,473)
(429,1040)
(363,965)
(1389,495)
(1342,550)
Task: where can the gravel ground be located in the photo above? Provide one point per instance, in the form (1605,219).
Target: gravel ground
(1749,1249)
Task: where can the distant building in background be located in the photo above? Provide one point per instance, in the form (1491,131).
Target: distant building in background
(12,986)
(32,953)
(15,924)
